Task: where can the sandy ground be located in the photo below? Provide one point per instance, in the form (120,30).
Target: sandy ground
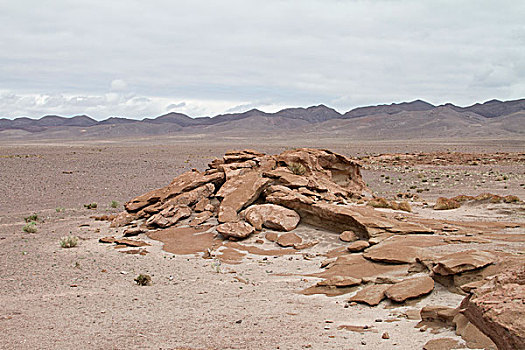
(55,298)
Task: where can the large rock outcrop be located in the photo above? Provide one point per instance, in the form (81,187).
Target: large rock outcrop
(497,308)
(315,186)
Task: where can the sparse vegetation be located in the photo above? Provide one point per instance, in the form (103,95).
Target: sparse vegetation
(60,209)
(143,280)
(297,168)
(30,227)
(443,203)
(31,218)
(69,242)
(379,202)
(511,199)
(114,204)
(91,206)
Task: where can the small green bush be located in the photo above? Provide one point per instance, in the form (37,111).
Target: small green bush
(114,204)
(59,209)
(68,242)
(143,280)
(30,227)
(91,206)
(30,218)
(297,168)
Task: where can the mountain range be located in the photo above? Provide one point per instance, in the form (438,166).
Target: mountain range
(416,119)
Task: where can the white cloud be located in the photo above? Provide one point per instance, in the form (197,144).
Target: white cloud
(219,55)
(118,85)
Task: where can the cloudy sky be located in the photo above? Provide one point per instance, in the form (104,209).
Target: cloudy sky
(145,58)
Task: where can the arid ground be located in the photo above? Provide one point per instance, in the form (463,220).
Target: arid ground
(86,297)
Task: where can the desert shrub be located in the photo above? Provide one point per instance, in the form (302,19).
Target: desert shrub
(511,199)
(462,198)
(443,203)
(91,206)
(405,206)
(30,227)
(31,218)
(143,280)
(68,242)
(114,204)
(379,202)
(60,209)
(297,168)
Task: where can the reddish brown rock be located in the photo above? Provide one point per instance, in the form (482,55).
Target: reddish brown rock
(131,243)
(272,236)
(202,204)
(238,193)
(459,262)
(393,253)
(182,183)
(201,218)
(289,239)
(133,231)
(410,288)
(442,344)
(272,216)
(497,308)
(107,240)
(169,216)
(371,294)
(305,245)
(348,236)
(123,219)
(358,246)
(474,338)
(440,314)
(235,230)
(339,281)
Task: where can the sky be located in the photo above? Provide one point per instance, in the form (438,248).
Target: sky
(146,58)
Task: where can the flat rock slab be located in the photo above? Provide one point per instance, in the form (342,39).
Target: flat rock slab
(357,246)
(410,288)
(340,281)
(235,230)
(131,242)
(289,239)
(371,294)
(272,216)
(455,263)
(393,253)
(442,344)
(239,192)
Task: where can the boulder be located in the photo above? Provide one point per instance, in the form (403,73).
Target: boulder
(272,216)
(497,308)
(288,239)
(459,262)
(235,230)
(410,288)
(371,294)
(238,193)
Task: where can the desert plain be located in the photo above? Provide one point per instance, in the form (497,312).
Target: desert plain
(86,297)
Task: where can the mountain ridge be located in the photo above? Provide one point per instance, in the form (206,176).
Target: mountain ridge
(385,119)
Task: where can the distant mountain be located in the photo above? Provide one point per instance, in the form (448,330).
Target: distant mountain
(314,114)
(393,108)
(493,108)
(173,118)
(406,120)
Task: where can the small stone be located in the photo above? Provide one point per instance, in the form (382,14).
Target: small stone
(357,246)
(348,236)
(385,336)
